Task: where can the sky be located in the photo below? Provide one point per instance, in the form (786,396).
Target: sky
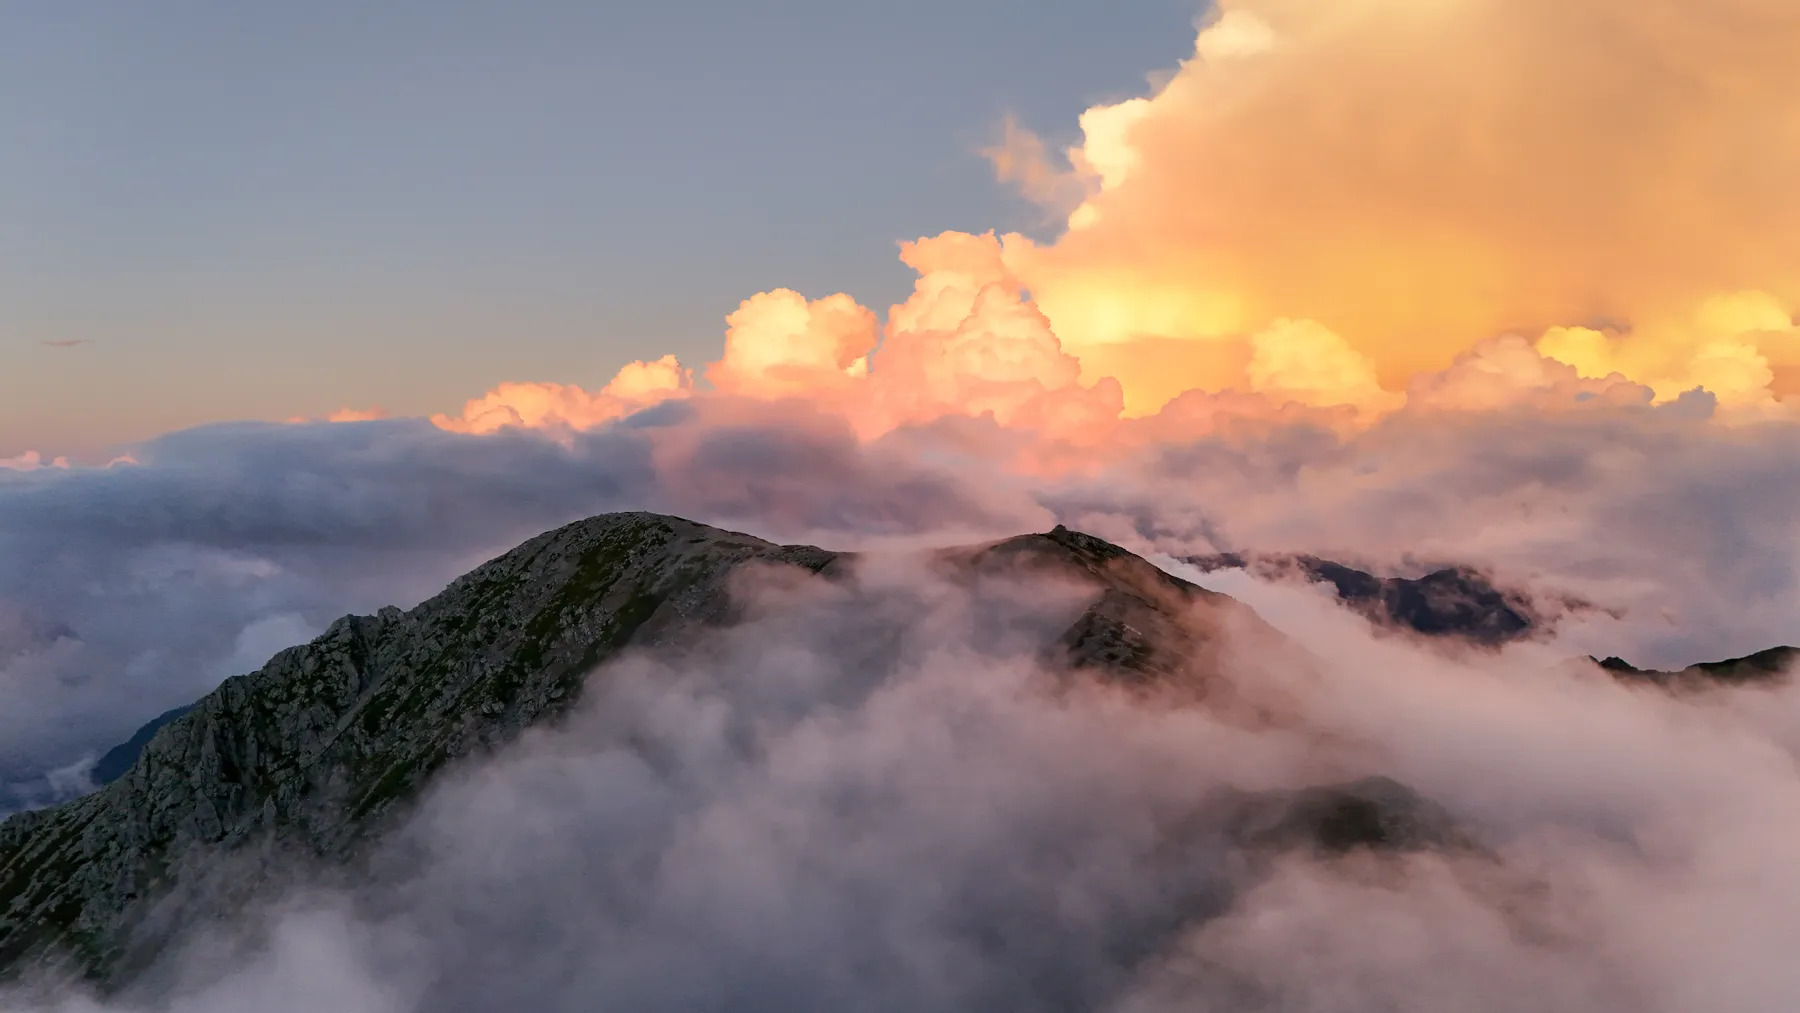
(259,212)
(306,315)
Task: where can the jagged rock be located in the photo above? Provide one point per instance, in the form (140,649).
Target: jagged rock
(310,757)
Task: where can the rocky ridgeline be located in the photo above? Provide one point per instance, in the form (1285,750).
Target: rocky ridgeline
(307,754)
(1764,667)
(308,758)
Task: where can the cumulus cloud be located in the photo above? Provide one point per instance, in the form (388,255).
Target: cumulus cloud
(779,343)
(968,342)
(637,385)
(1293,215)
(1507,372)
(1301,360)
(1419,176)
(1289,216)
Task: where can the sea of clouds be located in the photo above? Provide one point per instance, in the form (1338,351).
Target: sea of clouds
(871,796)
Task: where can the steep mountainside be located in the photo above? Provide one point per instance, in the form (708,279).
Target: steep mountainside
(117,761)
(312,754)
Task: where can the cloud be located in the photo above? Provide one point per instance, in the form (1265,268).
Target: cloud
(968,342)
(346,415)
(779,344)
(1301,360)
(1020,158)
(31,460)
(553,405)
(1508,372)
(1291,215)
(1535,317)
(1417,177)
(144,581)
(971,421)
(65,342)
(1681,524)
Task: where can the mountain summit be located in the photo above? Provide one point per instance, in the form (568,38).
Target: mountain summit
(309,756)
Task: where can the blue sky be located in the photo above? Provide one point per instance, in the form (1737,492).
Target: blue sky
(262,210)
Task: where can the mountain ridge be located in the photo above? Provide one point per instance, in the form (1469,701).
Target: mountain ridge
(311,753)
(307,761)
(1446,602)
(1765,666)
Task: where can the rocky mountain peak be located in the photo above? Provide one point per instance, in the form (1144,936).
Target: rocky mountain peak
(308,755)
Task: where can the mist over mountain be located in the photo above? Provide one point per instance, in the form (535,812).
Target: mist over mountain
(642,760)
(309,763)
(1291,577)
(1451,601)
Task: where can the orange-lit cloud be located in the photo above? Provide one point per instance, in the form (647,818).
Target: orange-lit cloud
(356,415)
(1417,175)
(31,460)
(1507,372)
(345,415)
(553,405)
(778,344)
(1336,210)
(969,342)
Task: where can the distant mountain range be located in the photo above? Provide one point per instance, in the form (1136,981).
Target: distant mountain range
(1450,602)
(319,753)
(1763,666)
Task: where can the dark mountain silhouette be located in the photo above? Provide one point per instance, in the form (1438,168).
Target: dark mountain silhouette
(1450,602)
(1766,666)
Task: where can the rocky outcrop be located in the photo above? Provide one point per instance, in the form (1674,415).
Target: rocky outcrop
(310,757)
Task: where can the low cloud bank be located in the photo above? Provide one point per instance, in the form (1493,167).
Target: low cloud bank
(130,589)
